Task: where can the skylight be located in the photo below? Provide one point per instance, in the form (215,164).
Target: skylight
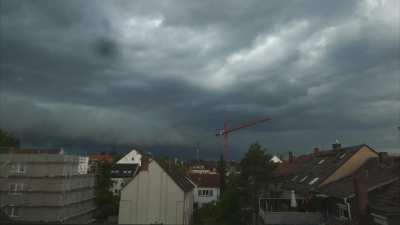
(313,181)
(294,178)
(342,156)
(321,161)
(304,178)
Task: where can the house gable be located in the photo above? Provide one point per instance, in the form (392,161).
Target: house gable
(351,164)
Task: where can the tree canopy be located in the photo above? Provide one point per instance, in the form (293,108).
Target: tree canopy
(8,140)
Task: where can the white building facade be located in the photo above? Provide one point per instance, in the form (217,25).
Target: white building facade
(206,188)
(133,157)
(157,194)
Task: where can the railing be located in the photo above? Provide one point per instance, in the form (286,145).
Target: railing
(312,218)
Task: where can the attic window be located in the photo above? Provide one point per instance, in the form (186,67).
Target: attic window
(342,156)
(321,161)
(313,181)
(304,178)
(294,178)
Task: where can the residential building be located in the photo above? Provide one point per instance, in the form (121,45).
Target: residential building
(384,207)
(83,167)
(158,194)
(329,184)
(45,186)
(124,170)
(206,189)
(275,159)
(122,174)
(95,159)
(133,157)
(202,166)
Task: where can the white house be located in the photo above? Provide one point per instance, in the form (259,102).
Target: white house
(159,193)
(133,157)
(83,165)
(206,188)
(119,171)
(275,159)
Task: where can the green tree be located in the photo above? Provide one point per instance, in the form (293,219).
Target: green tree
(107,203)
(8,140)
(256,174)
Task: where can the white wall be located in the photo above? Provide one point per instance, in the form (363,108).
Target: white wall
(83,165)
(153,197)
(133,157)
(200,200)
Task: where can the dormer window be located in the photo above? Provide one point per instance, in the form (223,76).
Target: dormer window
(294,178)
(313,181)
(321,161)
(304,178)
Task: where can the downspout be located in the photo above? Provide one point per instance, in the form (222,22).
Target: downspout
(348,207)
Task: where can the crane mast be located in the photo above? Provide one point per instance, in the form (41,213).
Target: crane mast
(226,130)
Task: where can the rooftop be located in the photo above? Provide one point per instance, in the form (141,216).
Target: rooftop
(205,179)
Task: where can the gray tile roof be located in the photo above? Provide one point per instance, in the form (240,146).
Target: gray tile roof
(376,177)
(178,176)
(123,170)
(319,167)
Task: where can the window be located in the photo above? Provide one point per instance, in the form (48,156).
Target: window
(313,181)
(321,161)
(18,168)
(342,156)
(294,178)
(304,178)
(341,212)
(15,188)
(12,211)
(21,169)
(205,193)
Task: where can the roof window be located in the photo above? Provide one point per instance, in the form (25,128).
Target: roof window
(321,161)
(294,178)
(313,181)
(342,156)
(304,178)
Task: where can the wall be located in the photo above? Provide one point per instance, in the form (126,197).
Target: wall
(153,197)
(133,157)
(52,188)
(200,200)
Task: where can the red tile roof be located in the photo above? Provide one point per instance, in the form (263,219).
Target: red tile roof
(104,158)
(205,179)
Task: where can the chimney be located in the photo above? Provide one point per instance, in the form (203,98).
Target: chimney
(291,157)
(383,158)
(316,151)
(360,189)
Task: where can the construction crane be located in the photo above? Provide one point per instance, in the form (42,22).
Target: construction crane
(224,132)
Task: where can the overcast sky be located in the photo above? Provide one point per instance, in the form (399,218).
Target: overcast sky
(170,72)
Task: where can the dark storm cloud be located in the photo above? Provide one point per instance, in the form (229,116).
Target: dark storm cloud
(170,73)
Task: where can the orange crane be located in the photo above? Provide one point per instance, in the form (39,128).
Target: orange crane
(224,132)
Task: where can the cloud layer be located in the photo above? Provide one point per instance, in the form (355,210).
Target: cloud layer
(171,72)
